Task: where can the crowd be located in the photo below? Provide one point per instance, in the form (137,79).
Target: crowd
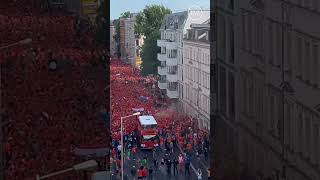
(174,129)
(47,113)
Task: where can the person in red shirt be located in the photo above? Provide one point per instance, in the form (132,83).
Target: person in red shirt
(144,173)
(140,173)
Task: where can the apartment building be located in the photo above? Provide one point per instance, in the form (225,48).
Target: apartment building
(194,73)
(122,39)
(113,45)
(130,43)
(172,30)
(268,86)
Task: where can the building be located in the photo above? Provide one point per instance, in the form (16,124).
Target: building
(172,31)
(139,40)
(269,86)
(131,42)
(113,44)
(194,73)
(122,39)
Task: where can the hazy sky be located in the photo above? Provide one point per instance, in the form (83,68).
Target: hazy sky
(119,6)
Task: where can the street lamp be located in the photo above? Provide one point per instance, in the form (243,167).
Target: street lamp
(78,167)
(134,114)
(24,41)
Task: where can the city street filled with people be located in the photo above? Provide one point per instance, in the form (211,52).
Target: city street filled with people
(183,148)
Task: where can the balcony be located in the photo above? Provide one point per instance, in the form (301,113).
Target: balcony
(167,44)
(162,70)
(172,93)
(162,84)
(162,57)
(172,61)
(172,77)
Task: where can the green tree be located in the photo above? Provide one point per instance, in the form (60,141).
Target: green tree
(149,54)
(117,28)
(148,23)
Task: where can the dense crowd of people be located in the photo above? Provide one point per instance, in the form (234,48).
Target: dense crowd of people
(46,113)
(174,128)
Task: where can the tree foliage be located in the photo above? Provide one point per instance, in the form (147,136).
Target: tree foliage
(149,54)
(148,23)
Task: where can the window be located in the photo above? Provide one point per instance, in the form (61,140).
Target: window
(316,64)
(307,61)
(249,32)
(278,45)
(307,132)
(288,45)
(299,127)
(223,90)
(222,39)
(272,112)
(231,43)
(299,57)
(316,142)
(243,30)
(259,35)
(231,96)
(231,4)
(271,43)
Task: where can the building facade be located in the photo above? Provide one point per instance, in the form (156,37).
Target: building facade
(268,86)
(194,73)
(172,30)
(113,45)
(122,43)
(130,43)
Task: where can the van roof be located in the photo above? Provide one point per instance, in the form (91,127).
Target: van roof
(147,120)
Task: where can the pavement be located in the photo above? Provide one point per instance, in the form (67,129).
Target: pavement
(161,172)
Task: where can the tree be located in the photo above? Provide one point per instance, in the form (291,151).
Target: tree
(148,23)
(149,54)
(117,29)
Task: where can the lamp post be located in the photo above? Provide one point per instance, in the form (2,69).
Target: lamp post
(78,167)
(122,148)
(24,41)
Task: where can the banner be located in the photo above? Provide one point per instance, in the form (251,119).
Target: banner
(92,151)
(137,109)
(89,7)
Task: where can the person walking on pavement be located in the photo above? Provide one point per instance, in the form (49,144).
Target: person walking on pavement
(180,159)
(171,147)
(150,173)
(169,163)
(199,174)
(154,153)
(175,166)
(133,171)
(144,173)
(140,173)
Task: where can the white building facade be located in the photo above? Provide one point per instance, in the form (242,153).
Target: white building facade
(275,127)
(172,31)
(194,73)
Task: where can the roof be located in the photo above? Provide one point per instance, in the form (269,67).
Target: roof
(147,120)
(170,19)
